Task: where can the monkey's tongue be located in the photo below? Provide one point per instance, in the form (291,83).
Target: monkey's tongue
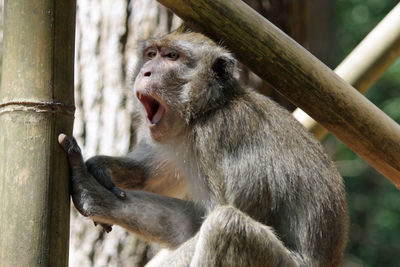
(155,111)
(159,114)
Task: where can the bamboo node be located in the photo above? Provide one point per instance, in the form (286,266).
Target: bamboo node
(37,106)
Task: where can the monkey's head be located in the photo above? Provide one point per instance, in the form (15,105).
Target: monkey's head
(181,77)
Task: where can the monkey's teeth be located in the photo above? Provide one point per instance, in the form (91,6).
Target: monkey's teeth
(139,95)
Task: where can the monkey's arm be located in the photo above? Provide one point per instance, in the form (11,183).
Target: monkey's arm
(142,169)
(157,218)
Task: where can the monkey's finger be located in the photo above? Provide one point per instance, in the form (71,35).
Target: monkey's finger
(62,140)
(73,151)
(118,192)
(106,227)
(102,176)
(69,144)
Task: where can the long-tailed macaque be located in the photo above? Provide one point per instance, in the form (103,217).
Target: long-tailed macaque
(261,190)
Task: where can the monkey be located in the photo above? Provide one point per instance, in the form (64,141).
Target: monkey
(221,175)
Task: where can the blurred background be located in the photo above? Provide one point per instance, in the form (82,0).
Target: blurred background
(374,238)
(107,36)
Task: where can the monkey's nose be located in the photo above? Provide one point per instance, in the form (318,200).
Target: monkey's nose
(147,74)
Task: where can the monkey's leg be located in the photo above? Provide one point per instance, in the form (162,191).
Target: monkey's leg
(229,237)
(156,218)
(180,257)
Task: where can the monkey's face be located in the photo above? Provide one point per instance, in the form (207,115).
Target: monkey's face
(182,77)
(157,86)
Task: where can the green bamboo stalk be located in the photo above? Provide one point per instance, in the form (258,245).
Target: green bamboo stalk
(36,104)
(300,77)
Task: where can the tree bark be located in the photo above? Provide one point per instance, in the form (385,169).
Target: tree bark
(108,34)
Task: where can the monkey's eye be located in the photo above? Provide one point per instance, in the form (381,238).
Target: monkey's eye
(150,54)
(172,55)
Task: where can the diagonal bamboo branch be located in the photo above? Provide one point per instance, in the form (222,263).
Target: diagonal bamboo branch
(366,63)
(300,77)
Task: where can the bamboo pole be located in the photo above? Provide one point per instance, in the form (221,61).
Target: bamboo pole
(300,77)
(366,63)
(36,104)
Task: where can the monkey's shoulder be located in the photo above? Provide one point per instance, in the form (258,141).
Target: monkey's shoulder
(254,135)
(250,115)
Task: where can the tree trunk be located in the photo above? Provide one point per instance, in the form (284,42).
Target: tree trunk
(107,37)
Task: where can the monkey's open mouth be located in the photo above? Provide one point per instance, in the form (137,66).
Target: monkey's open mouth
(155,111)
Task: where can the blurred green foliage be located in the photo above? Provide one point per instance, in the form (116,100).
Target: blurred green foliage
(374,237)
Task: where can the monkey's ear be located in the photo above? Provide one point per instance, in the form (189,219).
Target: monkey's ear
(224,67)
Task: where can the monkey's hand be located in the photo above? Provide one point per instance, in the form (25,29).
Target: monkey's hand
(97,166)
(86,192)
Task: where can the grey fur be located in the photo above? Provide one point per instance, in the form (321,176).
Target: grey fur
(261,190)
